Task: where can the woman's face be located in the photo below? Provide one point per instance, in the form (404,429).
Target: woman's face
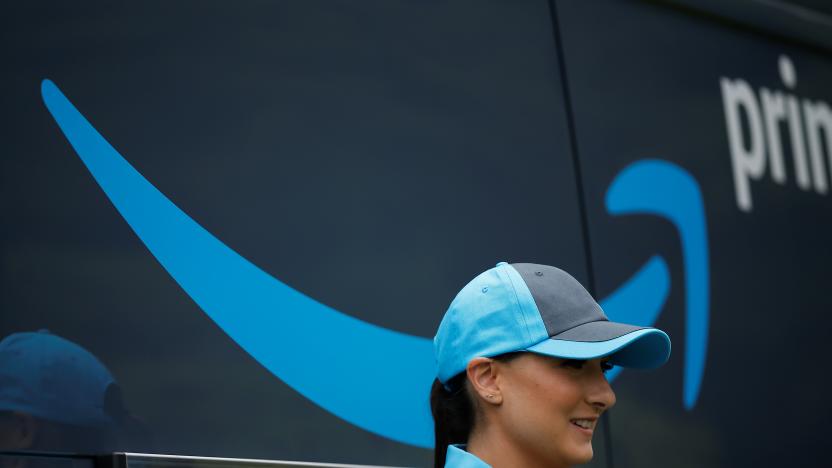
(551,407)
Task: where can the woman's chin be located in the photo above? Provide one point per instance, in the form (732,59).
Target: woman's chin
(582,454)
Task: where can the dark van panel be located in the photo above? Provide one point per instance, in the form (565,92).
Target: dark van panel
(374,156)
(651,83)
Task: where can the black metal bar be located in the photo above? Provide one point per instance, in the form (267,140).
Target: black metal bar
(40,454)
(112,460)
(781,20)
(573,143)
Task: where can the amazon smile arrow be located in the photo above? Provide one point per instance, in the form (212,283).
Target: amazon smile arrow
(272,321)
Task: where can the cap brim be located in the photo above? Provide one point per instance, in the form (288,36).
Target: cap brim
(627,345)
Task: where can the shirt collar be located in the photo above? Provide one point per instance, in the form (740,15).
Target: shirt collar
(457,457)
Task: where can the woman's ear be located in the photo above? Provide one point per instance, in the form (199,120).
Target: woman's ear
(482,375)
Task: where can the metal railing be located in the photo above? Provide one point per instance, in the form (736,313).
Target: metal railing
(152,460)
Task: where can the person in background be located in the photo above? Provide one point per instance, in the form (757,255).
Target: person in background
(56,396)
(521,355)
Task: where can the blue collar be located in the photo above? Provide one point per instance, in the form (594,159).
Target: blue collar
(458,458)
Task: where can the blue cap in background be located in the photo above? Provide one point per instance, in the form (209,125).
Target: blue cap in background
(51,378)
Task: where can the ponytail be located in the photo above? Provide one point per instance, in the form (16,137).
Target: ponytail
(453,417)
(454,412)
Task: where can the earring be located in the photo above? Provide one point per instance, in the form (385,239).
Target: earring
(490,396)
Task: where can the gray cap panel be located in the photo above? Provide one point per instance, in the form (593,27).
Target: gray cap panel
(597,331)
(562,301)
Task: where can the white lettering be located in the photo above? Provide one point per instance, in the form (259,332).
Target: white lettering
(798,146)
(774,110)
(787,72)
(754,132)
(818,118)
(747,163)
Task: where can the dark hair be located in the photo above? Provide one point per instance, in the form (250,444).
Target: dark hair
(453,412)
(453,416)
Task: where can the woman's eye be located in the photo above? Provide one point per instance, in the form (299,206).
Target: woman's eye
(573,364)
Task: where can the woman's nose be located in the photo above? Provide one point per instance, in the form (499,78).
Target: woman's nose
(600,394)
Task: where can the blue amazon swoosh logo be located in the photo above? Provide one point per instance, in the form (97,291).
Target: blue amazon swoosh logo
(663,189)
(273,322)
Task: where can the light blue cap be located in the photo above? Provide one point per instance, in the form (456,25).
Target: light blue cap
(540,309)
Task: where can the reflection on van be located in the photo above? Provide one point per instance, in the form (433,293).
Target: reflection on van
(57,396)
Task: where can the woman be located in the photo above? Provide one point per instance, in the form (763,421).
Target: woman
(521,355)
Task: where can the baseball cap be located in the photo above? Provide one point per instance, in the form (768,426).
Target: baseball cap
(539,309)
(54,379)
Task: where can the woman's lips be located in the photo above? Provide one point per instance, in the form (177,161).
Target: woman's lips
(584,425)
